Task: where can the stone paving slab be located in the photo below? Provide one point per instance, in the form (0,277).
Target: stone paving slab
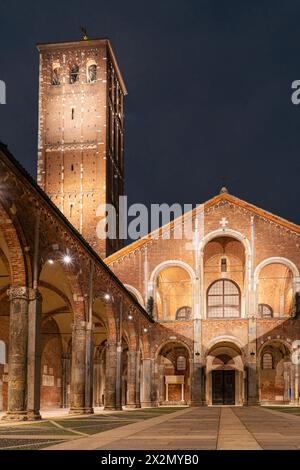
(272,429)
(105,440)
(202,428)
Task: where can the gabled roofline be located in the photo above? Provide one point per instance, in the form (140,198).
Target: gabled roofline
(220,197)
(17,168)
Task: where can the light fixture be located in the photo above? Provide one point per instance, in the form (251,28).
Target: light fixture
(50,261)
(130,317)
(67,259)
(145,330)
(107,296)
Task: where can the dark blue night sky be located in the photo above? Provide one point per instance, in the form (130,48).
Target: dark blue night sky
(209,87)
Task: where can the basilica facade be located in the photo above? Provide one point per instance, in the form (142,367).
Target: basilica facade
(166,320)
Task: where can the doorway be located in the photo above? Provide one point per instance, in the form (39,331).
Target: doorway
(223,387)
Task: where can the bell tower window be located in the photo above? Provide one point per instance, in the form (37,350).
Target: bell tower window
(92,73)
(55,75)
(74,74)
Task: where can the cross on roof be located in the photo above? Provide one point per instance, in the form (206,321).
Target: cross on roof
(223,222)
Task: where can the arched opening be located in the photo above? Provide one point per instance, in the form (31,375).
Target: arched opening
(225,384)
(5,281)
(55,74)
(99,374)
(56,332)
(173,291)
(276,373)
(74,74)
(2,364)
(275,291)
(173,374)
(91,71)
(223,299)
(51,364)
(136,294)
(100,337)
(124,372)
(224,278)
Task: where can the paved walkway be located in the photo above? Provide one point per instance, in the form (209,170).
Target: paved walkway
(226,428)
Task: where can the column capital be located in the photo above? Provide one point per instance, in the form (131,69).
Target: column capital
(18,292)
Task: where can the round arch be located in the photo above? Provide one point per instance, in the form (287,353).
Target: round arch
(74,292)
(170,264)
(275,260)
(18,269)
(174,264)
(224,280)
(226,232)
(136,293)
(269,342)
(224,339)
(235,235)
(177,341)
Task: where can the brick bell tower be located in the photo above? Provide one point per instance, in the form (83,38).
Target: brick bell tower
(81,133)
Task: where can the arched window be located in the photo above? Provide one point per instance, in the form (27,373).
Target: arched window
(74,74)
(92,73)
(56,75)
(223,299)
(183,313)
(2,353)
(181,363)
(265,311)
(267,361)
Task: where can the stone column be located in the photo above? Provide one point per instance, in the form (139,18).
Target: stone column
(96,385)
(252,384)
(252,372)
(154,391)
(65,380)
(146,383)
(287,381)
(119,377)
(102,382)
(17,362)
(196,381)
(78,372)
(89,369)
(149,393)
(111,376)
(138,380)
(161,384)
(132,382)
(34,355)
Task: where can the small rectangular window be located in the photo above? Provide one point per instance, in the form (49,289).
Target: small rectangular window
(223,265)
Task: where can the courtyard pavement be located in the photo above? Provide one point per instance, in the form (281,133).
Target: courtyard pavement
(206,428)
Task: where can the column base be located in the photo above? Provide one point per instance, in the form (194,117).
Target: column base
(133,406)
(150,404)
(33,415)
(113,408)
(15,416)
(81,411)
(146,404)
